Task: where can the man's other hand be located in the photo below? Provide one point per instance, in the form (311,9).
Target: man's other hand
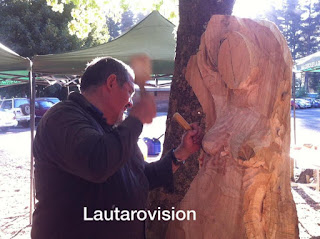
(144,109)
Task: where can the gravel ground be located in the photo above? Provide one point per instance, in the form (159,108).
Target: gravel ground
(15,179)
(308,208)
(15,184)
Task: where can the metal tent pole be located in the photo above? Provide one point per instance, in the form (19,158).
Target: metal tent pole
(68,87)
(32,129)
(294,108)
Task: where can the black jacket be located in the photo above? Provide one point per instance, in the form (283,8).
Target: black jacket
(80,161)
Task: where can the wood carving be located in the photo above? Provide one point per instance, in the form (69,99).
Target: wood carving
(242,78)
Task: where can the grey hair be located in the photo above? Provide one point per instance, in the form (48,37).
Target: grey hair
(99,69)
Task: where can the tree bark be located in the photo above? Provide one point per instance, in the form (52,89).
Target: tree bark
(242,78)
(194,15)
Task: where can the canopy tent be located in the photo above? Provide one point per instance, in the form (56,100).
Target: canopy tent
(14,69)
(153,36)
(309,63)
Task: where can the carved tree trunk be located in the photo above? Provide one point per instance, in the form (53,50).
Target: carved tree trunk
(194,15)
(242,78)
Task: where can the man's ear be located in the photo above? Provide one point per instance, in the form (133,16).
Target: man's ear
(111,82)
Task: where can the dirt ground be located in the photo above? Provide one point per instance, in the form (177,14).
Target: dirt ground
(14,185)
(14,192)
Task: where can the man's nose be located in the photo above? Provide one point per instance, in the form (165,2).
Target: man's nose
(130,104)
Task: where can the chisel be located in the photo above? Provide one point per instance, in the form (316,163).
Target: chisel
(182,122)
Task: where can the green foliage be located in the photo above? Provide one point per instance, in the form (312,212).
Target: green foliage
(31,27)
(314,81)
(301,92)
(15,91)
(88,16)
(158,4)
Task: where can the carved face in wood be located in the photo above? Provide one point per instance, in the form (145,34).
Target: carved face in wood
(236,75)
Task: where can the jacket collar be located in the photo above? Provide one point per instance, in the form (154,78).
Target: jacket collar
(87,106)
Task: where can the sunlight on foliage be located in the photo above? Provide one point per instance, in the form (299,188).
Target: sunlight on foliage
(90,15)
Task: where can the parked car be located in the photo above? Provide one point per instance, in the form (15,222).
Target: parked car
(20,107)
(306,103)
(300,104)
(7,120)
(41,106)
(54,100)
(316,103)
(313,102)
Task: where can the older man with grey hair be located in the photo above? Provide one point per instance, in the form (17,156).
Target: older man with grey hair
(87,161)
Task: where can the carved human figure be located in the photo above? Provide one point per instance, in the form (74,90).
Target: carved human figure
(242,78)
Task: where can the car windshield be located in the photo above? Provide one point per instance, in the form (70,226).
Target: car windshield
(45,104)
(19,102)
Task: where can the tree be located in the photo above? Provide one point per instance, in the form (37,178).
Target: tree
(139,17)
(288,19)
(113,27)
(14,91)
(194,15)
(290,26)
(313,79)
(298,22)
(310,27)
(88,16)
(127,21)
(31,27)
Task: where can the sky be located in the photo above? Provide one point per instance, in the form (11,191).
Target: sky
(252,8)
(242,8)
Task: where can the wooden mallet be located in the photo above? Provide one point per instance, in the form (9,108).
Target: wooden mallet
(141,66)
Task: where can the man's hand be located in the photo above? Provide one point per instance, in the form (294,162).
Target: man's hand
(144,109)
(190,143)
(141,65)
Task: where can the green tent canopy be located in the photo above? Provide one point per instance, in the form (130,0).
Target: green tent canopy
(153,36)
(14,69)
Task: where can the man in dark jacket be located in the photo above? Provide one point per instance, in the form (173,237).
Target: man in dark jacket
(88,164)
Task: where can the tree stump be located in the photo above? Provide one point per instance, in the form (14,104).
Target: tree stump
(242,78)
